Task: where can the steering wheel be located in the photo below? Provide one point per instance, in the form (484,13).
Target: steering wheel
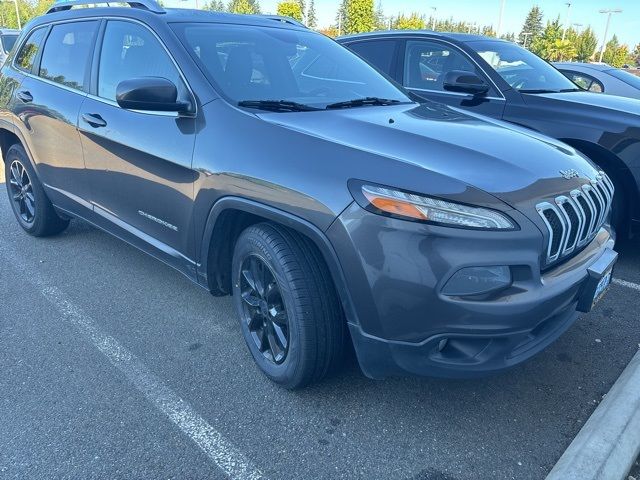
(520,83)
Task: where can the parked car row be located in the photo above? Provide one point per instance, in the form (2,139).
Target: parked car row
(602,78)
(266,161)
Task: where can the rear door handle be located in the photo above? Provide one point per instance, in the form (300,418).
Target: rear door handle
(94,120)
(25,96)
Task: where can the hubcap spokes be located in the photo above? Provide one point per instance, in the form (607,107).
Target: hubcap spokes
(22,192)
(264,310)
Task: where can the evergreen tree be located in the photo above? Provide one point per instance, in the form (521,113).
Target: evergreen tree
(509,37)
(215,6)
(360,16)
(636,55)
(341,16)
(532,26)
(544,44)
(414,21)
(615,54)
(250,7)
(312,20)
(290,9)
(381,21)
(586,44)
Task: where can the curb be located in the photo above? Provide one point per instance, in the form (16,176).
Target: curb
(609,443)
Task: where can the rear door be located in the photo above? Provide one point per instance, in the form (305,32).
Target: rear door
(47,105)
(139,163)
(425,64)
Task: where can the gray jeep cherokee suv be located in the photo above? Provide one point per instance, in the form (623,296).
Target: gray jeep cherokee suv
(263,160)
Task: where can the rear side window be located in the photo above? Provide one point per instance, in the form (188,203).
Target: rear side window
(378,53)
(66,54)
(27,55)
(584,81)
(131,51)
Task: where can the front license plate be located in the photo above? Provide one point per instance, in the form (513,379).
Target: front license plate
(603,286)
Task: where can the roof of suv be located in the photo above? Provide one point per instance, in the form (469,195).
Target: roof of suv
(168,15)
(460,37)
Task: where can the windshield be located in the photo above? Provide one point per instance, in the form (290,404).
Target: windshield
(260,64)
(8,41)
(521,69)
(626,77)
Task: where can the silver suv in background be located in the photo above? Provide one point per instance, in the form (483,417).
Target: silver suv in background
(8,39)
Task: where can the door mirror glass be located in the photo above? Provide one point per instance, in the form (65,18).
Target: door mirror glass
(153,94)
(465,82)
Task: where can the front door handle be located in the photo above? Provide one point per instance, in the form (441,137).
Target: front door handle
(94,120)
(25,96)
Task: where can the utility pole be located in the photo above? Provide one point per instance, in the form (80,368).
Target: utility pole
(340,23)
(526,36)
(499,30)
(15,2)
(433,18)
(609,12)
(566,24)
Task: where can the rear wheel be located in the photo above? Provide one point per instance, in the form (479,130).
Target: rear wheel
(29,202)
(619,210)
(289,312)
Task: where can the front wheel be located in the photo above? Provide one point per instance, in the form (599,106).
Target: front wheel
(289,312)
(28,200)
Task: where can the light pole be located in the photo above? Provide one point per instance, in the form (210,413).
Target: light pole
(502,2)
(433,18)
(566,24)
(526,36)
(15,3)
(609,12)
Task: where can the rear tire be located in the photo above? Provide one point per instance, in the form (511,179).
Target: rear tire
(298,312)
(27,197)
(620,220)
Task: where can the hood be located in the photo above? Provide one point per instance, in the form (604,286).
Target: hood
(590,99)
(513,164)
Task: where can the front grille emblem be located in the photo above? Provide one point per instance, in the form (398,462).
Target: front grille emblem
(569,174)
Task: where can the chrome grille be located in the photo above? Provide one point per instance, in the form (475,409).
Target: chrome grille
(573,220)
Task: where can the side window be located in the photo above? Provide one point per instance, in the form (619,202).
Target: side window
(378,53)
(27,54)
(130,51)
(67,52)
(586,82)
(427,63)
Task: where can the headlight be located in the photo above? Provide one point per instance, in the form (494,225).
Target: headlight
(406,205)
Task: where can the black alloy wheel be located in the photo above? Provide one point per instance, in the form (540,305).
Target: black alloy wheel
(263,309)
(21,192)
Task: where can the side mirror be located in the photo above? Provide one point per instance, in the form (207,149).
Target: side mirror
(154,94)
(464,82)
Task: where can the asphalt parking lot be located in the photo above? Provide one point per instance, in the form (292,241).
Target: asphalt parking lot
(115,366)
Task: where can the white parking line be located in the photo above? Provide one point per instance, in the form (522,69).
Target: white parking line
(223,454)
(624,283)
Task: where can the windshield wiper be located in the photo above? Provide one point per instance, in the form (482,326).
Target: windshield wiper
(360,102)
(541,90)
(277,105)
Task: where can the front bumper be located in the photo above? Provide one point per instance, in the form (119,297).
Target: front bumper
(395,271)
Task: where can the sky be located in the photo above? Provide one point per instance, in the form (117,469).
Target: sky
(484,12)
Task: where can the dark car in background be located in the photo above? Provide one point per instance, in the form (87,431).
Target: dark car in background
(601,78)
(263,160)
(8,39)
(502,80)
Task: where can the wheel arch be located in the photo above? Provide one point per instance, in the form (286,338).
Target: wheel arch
(230,216)
(614,167)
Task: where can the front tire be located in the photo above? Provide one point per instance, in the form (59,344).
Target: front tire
(27,197)
(289,312)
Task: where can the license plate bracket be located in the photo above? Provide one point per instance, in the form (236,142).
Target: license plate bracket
(598,281)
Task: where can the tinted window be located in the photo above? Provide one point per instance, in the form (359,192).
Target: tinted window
(262,63)
(8,41)
(66,54)
(626,77)
(131,51)
(29,50)
(520,68)
(378,53)
(427,63)
(584,81)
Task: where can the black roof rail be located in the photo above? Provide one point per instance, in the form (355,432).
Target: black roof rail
(289,20)
(150,5)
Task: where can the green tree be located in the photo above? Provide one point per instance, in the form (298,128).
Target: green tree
(381,21)
(290,9)
(360,16)
(586,44)
(250,7)
(544,44)
(636,55)
(312,19)
(615,54)
(532,26)
(341,16)
(414,21)
(509,37)
(215,6)
(560,50)
(488,31)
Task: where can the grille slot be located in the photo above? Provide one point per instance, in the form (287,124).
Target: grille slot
(573,220)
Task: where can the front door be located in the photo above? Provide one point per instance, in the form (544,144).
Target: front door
(139,163)
(426,63)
